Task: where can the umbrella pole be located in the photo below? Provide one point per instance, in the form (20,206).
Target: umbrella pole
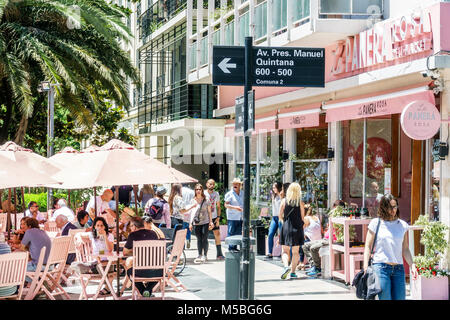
(95,201)
(15,209)
(135,200)
(23,200)
(117,239)
(68,197)
(8,221)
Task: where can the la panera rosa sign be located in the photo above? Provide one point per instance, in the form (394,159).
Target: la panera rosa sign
(420,120)
(385,42)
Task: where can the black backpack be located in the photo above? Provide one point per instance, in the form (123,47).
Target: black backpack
(156,209)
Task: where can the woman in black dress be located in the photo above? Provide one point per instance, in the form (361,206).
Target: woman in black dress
(292,213)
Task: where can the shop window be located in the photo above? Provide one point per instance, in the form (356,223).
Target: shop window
(377,165)
(311,163)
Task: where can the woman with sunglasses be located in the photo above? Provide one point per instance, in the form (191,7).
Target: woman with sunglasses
(201,221)
(391,246)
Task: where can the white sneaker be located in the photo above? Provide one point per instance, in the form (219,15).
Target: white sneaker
(204,259)
(198,260)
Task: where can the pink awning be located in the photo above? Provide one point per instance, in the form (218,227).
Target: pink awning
(302,117)
(385,104)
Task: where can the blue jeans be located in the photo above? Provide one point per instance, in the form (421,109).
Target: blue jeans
(234,228)
(275,224)
(188,234)
(392,281)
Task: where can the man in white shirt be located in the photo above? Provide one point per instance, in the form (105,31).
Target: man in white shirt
(64,210)
(102,205)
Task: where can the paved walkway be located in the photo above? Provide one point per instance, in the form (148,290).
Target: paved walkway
(207,281)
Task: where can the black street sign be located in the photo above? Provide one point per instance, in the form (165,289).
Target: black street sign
(239,120)
(272,66)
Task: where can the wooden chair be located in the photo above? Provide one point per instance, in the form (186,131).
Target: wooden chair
(172,262)
(13,268)
(48,279)
(66,274)
(84,253)
(3,221)
(149,255)
(51,226)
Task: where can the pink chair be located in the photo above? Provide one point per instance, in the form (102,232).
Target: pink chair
(51,226)
(3,221)
(13,268)
(173,261)
(84,253)
(47,280)
(147,255)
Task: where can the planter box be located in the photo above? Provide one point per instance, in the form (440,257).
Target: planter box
(276,251)
(223,231)
(435,288)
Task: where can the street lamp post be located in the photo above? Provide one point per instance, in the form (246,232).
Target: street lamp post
(46,86)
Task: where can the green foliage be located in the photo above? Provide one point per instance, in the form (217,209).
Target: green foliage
(316,183)
(433,237)
(339,228)
(76,197)
(76,44)
(220,188)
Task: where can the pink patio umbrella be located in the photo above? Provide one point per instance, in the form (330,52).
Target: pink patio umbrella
(115,163)
(21,167)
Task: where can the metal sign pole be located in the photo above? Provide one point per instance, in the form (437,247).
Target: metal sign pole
(246,216)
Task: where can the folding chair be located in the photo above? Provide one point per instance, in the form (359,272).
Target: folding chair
(84,253)
(51,226)
(149,255)
(173,260)
(3,221)
(48,279)
(13,268)
(72,233)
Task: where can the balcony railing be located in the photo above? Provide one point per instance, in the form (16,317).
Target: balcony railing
(228,29)
(204,51)
(244,27)
(284,16)
(350,9)
(157,15)
(193,55)
(261,20)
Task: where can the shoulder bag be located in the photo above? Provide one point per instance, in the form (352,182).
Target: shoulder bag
(197,214)
(367,283)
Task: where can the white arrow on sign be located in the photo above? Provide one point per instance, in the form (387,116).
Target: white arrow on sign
(224,65)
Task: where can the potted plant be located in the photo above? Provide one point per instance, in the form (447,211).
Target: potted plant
(432,282)
(340,211)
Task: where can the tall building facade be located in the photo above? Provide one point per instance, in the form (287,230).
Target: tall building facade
(350,136)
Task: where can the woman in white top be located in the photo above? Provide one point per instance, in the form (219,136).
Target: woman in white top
(312,228)
(391,246)
(102,240)
(275,223)
(312,231)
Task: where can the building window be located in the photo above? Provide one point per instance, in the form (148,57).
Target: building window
(310,163)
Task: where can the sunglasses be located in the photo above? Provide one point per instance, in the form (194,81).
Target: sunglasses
(198,189)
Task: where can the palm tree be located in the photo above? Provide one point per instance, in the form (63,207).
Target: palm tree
(75,43)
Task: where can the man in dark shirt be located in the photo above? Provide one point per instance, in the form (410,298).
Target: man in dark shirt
(124,194)
(138,233)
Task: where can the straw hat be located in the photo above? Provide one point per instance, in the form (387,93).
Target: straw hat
(129,212)
(236,180)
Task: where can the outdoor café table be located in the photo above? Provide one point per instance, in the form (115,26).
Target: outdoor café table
(110,258)
(345,247)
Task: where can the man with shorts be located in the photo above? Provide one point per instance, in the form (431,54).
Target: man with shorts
(214,199)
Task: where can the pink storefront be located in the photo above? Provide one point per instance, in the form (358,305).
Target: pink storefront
(375,75)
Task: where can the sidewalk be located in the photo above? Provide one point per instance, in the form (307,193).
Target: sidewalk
(207,281)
